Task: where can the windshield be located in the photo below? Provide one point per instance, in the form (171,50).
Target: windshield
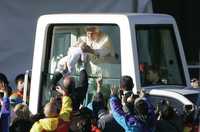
(64,43)
(159,59)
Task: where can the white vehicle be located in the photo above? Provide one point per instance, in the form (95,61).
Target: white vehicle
(181,99)
(139,41)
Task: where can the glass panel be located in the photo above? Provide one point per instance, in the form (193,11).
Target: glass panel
(159,59)
(177,105)
(66,41)
(194,71)
(194,98)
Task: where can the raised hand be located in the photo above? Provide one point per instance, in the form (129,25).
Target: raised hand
(99,82)
(113,90)
(60,90)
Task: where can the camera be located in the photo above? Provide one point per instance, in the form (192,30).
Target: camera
(1,94)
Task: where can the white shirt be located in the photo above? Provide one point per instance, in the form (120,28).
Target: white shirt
(103,48)
(105,54)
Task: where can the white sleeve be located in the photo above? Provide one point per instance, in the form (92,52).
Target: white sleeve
(102,52)
(61,63)
(74,55)
(83,56)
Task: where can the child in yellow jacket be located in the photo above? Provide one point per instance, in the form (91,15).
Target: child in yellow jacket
(55,121)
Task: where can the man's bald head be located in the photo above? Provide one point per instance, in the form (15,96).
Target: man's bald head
(50,110)
(68,83)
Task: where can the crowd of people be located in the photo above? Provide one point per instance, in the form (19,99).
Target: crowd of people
(124,111)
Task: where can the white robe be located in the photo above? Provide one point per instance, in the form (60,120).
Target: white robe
(104,53)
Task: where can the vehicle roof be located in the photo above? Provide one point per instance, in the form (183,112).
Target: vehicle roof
(110,14)
(176,89)
(184,91)
(108,17)
(178,94)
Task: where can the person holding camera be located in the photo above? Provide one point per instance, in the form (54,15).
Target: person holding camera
(143,117)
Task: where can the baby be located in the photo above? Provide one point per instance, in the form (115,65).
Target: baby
(74,54)
(66,65)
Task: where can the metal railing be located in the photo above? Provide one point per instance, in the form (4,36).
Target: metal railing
(26,86)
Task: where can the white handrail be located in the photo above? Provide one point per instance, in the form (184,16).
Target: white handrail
(26,86)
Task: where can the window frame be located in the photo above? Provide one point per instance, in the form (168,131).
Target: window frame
(170,28)
(49,49)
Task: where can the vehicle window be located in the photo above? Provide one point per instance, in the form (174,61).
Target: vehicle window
(177,105)
(64,40)
(194,98)
(159,59)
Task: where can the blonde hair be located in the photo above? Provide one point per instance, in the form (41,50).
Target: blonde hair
(50,110)
(22,111)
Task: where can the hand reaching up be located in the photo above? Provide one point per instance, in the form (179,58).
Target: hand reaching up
(52,100)
(99,82)
(142,93)
(113,90)
(60,90)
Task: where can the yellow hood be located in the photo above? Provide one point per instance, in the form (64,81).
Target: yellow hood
(49,124)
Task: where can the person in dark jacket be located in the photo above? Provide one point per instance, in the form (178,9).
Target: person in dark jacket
(105,120)
(126,86)
(77,95)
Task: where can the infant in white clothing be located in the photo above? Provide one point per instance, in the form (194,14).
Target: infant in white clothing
(74,54)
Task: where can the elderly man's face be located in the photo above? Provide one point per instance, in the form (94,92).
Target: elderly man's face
(92,35)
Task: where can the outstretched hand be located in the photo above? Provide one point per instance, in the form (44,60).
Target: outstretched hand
(52,100)
(4,89)
(99,82)
(113,90)
(142,93)
(87,49)
(60,90)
